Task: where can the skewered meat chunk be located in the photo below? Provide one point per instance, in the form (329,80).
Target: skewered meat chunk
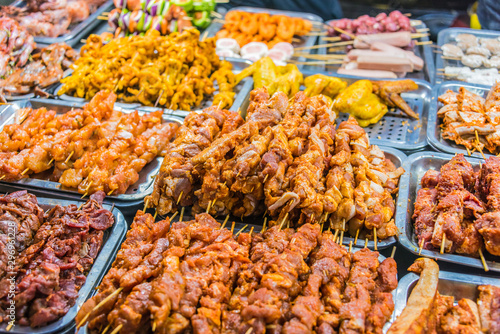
(489,308)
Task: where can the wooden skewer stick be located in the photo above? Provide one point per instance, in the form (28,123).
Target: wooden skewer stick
(335,235)
(102,18)
(25,171)
(156,213)
(366,242)
(424,43)
(105,300)
(159,97)
(232,227)
(69,157)
(375,238)
(479,145)
(106,329)
(251,231)
(443,241)
(468,151)
(332,39)
(215,14)
(356,238)
(84,320)
(205,34)
(109,194)
(345,32)
(146,205)
(323,45)
(265,179)
(320,33)
(9,327)
(50,162)
(117,329)
(2,177)
(420,246)
(283,221)
(342,233)
(241,230)
(350,246)
(153,327)
(264,226)
(208,207)
(485,265)
(225,222)
(423,30)
(182,214)
(393,252)
(179,199)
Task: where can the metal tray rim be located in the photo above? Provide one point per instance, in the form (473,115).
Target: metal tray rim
(42,184)
(101,264)
(433,120)
(402,216)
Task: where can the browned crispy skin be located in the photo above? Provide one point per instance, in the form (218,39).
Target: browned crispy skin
(418,314)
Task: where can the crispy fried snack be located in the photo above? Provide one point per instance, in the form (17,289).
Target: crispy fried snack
(247,27)
(172,71)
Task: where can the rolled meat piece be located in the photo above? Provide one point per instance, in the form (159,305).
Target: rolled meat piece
(473,61)
(451,50)
(393,64)
(258,48)
(227,44)
(418,63)
(285,47)
(478,50)
(399,39)
(368,73)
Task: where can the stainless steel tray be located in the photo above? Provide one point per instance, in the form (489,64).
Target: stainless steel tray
(390,131)
(428,73)
(433,125)
(416,165)
(113,237)
(305,40)
(241,90)
(137,191)
(76,31)
(448,36)
(450,284)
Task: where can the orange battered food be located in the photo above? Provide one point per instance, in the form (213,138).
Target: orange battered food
(247,27)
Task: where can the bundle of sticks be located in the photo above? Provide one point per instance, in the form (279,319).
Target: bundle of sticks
(90,149)
(286,159)
(427,311)
(53,252)
(470,120)
(458,210)
(198,277)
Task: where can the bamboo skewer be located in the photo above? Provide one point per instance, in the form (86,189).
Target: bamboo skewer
(225,221)
(485,265)
(345,32)
(332,39)
(232,227)
(350,246)
(375,238)
(356,238)
(146,205)
(420,246)
(182,214)
(264,226)
(479,144)
(117,329)
(441,251)
(241,230)
(2,177)
(69,157)
(393,252)
(366,242)
(283,221)
(179,199)
(106,329)
(25,171)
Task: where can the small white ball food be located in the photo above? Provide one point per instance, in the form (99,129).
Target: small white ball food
(451,50)
(227,44)
(473,61)
(478,50)
(254,48)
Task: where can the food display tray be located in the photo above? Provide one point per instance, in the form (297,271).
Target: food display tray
(425,52)
(416,165)
(241,90)
(113,237)
(135,192)
(450,284)
(76,31)
(395,129)
(448,36)
(306,41)
(434,124)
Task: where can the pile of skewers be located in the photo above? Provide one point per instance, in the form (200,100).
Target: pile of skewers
(457,210)
(53,253)
(470,120)
(427,311)
(176,71)
(90,149)
(286,160)
(209,280)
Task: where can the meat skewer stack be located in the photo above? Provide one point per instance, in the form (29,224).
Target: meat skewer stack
(199,277)
(94,148)
(470,120)
(287,159)
(53,254)
(456,209)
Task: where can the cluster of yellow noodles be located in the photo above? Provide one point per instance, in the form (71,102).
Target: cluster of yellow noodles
(175,71)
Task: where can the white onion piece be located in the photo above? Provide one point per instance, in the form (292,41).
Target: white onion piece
(376,187)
